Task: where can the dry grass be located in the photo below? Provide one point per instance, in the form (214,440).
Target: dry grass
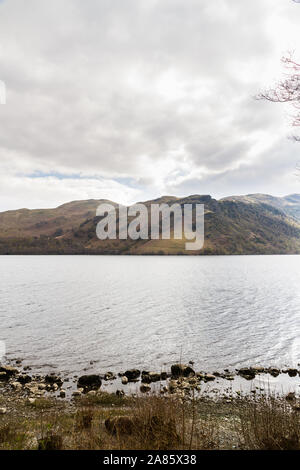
(269,423)
(152,423)
(148,423)
(109,422)
(10,438)
(157,423)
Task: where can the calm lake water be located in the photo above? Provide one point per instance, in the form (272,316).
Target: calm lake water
(63,312)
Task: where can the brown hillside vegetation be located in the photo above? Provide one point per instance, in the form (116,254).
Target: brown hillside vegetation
(253,224)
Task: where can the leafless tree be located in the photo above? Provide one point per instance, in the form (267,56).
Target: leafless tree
(287,90)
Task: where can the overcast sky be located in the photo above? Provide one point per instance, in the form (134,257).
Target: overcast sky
(132,99)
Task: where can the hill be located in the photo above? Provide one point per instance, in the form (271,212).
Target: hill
(252,224)
(290,205)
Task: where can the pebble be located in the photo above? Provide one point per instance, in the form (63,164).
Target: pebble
(31,401)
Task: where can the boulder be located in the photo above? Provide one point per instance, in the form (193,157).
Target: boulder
(16,386)
(155,376)
(144,388)
(132,374)
(258,369)
(146,379)
(3,377)
(209,377)
(124,380)
(53,379)
(182,370)
(91,382)
(247,373)
(24,379)
(274,371)
(120,393)
(290,396)
(227,376)
(109,376)
(3,411)
(151,377)
(10,371)
(154,426)
(119,425)
(292,372)
(32,388)
(62,393)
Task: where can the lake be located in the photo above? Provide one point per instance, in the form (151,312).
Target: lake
(99,313)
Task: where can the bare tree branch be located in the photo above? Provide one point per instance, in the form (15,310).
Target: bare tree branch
(287,90)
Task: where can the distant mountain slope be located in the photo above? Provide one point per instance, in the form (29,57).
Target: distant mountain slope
(25,222)
(253,224)
(290,205)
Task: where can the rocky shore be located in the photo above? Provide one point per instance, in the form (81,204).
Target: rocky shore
(179,408)
(181,380)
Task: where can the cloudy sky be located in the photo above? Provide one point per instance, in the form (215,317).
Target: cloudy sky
(132,99)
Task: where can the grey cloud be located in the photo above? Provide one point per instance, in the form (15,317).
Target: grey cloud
(277,168)
(143,90)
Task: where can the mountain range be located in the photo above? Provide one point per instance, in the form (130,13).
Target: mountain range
(250,224)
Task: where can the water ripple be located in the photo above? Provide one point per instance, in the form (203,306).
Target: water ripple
(148,311)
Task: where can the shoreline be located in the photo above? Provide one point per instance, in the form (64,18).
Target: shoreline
(179,379)
(173,411)
(34,418)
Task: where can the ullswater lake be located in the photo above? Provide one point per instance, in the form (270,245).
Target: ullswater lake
(96,313)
